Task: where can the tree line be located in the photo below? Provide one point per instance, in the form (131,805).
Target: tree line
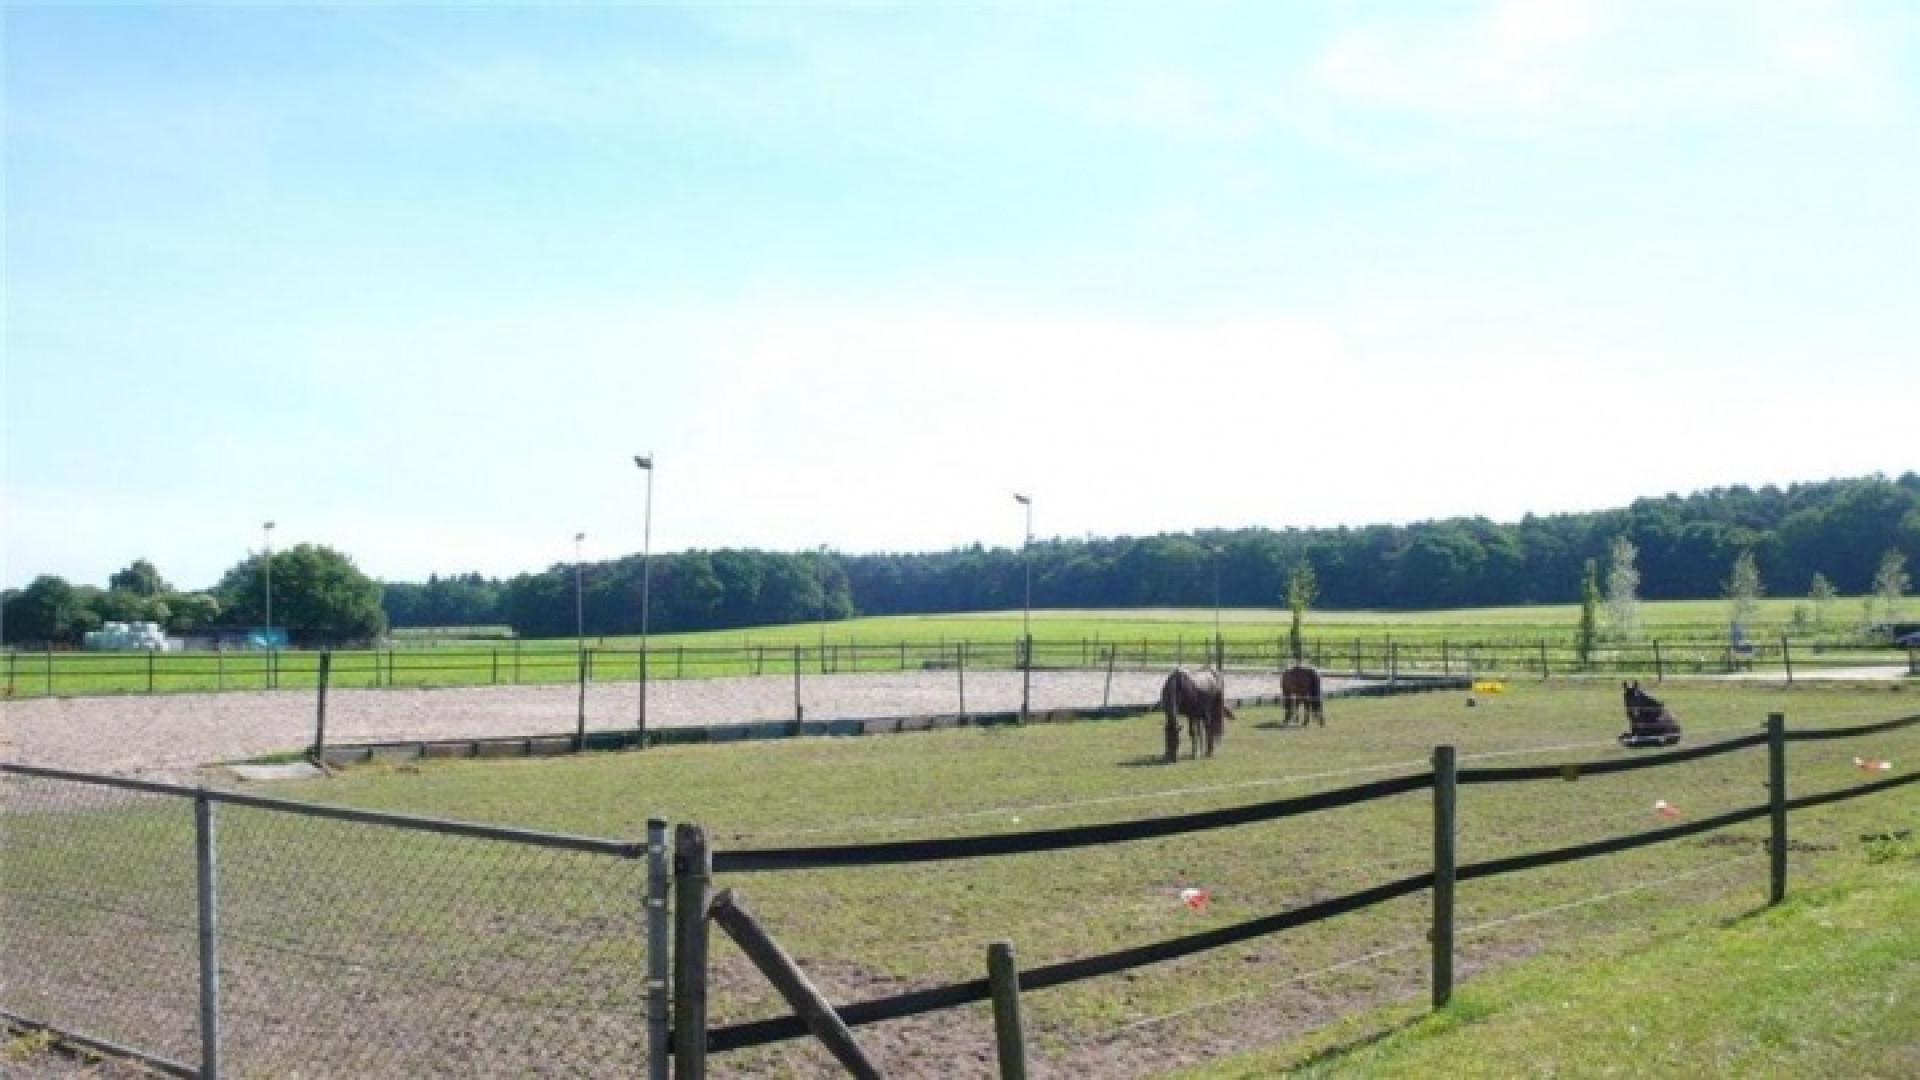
(1834,536)
(1686,547)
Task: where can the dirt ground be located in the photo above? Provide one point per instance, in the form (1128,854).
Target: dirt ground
(171,737)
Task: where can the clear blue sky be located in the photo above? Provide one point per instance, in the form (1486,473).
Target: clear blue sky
(418,281)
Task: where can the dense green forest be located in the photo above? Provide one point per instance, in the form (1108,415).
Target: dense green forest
(1834,536)
(1686,548)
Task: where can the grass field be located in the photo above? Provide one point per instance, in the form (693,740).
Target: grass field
(1494,640)
(871,932)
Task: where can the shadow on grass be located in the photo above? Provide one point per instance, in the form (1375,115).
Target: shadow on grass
(1331,1057)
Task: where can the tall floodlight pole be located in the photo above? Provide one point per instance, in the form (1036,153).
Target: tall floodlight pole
(266,563)
(1026,613)
(645,462)
(1219,646)
(580,636)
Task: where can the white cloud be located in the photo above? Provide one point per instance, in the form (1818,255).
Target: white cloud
(1535,62)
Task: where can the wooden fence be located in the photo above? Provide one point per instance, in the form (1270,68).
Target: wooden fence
(71,674)
(696,864)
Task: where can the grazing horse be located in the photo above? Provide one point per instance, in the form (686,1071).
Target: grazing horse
(1201,697)
(1649,722)
(1300,691)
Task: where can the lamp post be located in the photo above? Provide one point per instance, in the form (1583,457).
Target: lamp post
(820,574)
(645,463)
(1219,646)
(580,637)
(1026,613)
(266,564)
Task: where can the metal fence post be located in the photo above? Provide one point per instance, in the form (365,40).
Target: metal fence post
(693,886)
(1445,792)
(203,844)
(1777,803)
(658,959)
(1786,657)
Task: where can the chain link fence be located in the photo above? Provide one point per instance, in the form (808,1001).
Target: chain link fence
(211,932)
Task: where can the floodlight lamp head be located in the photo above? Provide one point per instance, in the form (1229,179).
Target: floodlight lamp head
(645,461)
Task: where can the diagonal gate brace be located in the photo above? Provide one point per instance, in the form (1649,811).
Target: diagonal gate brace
(793,984)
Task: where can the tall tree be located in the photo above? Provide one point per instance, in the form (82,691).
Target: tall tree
(1623,590)
(1890,584)
(1821,595)
(48,611)
(141,579)
(1589,611)
(1743,591)
(319,596)
(1302,590)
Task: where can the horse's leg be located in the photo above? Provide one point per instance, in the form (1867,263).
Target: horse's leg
(1173,738)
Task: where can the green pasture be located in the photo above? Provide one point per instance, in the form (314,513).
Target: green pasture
(1827,984)
(874,931)
(1491,640)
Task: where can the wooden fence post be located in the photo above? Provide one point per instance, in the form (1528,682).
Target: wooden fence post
(960,665)
(580,719)
(1786,657)
(1445,803)
(1659,666)
(1106,695)
(693,884)
(1010,1036)
(320,710)
(799,710)
(1777,803)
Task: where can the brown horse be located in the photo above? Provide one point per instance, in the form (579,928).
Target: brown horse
(1300,691)
(1649,721)
(1201,697)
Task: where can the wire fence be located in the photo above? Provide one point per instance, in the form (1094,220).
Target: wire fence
(47,673)
(196,930)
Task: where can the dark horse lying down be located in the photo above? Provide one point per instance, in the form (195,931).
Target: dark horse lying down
(1300,691)
(1201,697)
(1649,723)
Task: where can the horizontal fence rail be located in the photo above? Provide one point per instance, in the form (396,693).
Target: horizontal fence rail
(29,674)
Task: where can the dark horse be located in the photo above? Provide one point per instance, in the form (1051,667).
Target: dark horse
(1201,697)
(1649,723)
(1300,692)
